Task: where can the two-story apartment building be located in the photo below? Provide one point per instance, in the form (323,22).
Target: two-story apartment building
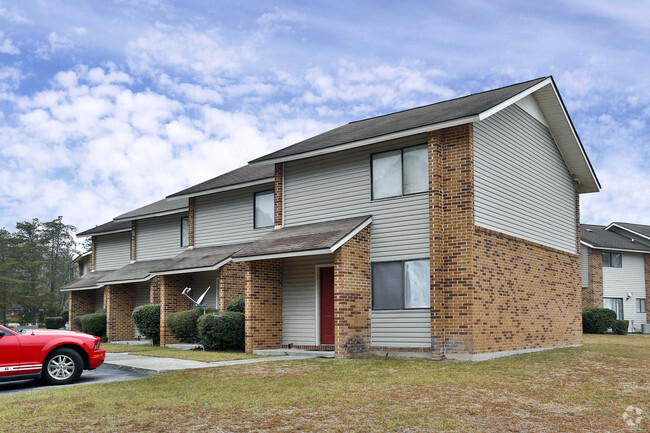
(451,230)
(615,270)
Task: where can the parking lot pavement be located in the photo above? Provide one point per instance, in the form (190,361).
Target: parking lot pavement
(101,375)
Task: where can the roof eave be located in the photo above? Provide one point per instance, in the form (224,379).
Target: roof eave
(110,232)
(622,250)
(222,189)
(627,230)
(196,269)
(151,215)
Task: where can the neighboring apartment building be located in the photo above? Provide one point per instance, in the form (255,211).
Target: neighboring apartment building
(450,230)
(616,270)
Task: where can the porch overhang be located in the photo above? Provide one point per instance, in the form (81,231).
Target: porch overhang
(136,272)
(199,260)
(88,281)
(305,240)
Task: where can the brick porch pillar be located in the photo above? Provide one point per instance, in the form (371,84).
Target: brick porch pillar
(154,289)
(352,297)
(80,302)
(263,304)
(172,300)
(593,295)
(119,301)
(232,283)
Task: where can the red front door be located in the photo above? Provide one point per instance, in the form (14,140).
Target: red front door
(326,281)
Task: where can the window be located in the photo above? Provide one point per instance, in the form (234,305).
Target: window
(185,231)
(400,172)
(640,305)
(400,285)
(264,209)
(615,304)
(612,260)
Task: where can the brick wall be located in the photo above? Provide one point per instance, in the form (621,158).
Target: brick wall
(232,283)
(647,287)
(80,302)
(154,289)
(133,241)
(119,301)
(352,288)
(93,255)
(592,296)
(190,222)
(263,304)
(278,194)
(171,301)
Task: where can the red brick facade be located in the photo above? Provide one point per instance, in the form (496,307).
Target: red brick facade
(154,289)
(119,301)
(133,242)
(171,301)
(592,295)
(352,297)
(190,222)
(232,283)
(80,302)
(278,195)
(263,304)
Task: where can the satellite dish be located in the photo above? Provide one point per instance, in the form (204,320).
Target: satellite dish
(200,300)
(186,290)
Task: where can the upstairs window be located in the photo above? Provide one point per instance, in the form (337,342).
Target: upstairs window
(264,209)
(400,172)
(185,231)
(612,260)
(401,285)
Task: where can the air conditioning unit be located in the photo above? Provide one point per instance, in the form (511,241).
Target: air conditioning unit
(645,328)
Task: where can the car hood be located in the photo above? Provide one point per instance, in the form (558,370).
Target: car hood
(56,332)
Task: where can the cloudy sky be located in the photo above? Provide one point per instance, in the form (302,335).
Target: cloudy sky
(107,106)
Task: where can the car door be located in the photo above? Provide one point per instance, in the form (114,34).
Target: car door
(9,352)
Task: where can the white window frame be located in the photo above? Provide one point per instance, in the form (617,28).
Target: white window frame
(640,305)
(260,193)
(403,306)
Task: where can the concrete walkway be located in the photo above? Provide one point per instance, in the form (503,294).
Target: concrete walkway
(154,365)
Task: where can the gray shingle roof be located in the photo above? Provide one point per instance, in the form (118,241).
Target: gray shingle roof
(639,228)
(305,238)
(88,281)
(198,258)
(440,112)
(600,238)
(163,206)
(109,227)
(237,176)
(133,272)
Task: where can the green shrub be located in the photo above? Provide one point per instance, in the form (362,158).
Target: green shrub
(76,322)
(237,305)
(94,324)
(620,327)
(147,320)
(597,320)
(54,322)
(182,324)
(222,331)
(65,315)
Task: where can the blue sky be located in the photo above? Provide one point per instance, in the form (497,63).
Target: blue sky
(107,106)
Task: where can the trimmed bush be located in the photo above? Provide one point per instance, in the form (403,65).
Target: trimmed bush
(237,305)
(54,322)
(76,322)
(147,320)
(222,331)
(597,320)
(65,315)
(94,324)
(620,327)
(182,324)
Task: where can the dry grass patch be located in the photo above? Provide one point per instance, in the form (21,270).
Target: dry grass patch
(573,390)
(168,352)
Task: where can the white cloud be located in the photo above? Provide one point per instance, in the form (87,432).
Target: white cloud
(7,46)
(12,16)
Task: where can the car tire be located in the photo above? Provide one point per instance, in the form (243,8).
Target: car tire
(62,366)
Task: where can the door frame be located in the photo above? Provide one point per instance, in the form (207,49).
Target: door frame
(317,269)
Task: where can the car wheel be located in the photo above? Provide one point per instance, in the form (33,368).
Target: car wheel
(62,366)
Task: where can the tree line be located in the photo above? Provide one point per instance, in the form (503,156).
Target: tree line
(35,261)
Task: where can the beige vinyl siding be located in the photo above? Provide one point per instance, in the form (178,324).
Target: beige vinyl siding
(203,280)
(617,282)
(335,186)
(584,265)
(112,251)
(522,186)
(227,218)
(300,299)
(401,328)
(158,238)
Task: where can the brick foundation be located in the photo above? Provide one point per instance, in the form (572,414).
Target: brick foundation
(171,301)
(232,283)
(119,301)
(592,295)
(80,302)
(263,304)
(352,297)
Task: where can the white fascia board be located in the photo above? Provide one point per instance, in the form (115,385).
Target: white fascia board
(106,233)
(80,256)
(283,255)
(373,140)
(620,250)
(350,235)
(487,113)
(81,288)
(190,270)
(627,230)
(138,280)
(224,188)
(152,215)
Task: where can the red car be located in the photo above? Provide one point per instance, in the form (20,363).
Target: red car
(58,357)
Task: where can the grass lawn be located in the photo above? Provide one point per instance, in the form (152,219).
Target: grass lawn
(583,389)
(168,352)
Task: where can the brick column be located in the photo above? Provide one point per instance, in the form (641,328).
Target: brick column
(592,296)
(133,241)
(81,302)
(647,287)
(119,301)
(263,304)
(352,297)
(171,301)
(93,250)
(154,289)
(278,195)
(190,222)
(232,283)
